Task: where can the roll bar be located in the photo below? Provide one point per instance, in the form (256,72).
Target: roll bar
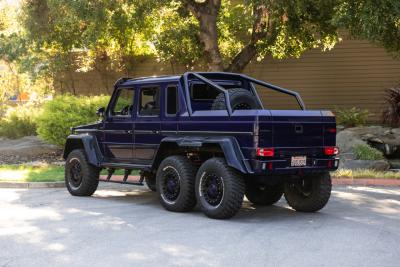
(200,76)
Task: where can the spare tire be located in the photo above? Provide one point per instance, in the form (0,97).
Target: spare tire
(240,99)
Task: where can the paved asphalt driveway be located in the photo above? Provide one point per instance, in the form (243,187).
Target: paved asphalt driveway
(125,226)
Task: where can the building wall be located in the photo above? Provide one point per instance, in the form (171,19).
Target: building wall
(354,73)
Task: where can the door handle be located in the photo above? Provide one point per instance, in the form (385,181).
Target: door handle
(129,131)
(156,131)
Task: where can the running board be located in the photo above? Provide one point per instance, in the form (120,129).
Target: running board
(112,165)
(121,182)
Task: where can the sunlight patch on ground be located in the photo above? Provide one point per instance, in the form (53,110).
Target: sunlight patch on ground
(14,175)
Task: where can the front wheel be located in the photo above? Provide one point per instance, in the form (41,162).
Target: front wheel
(309,193)
(219,189)
(81,178)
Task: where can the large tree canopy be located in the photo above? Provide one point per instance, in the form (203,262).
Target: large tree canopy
(209,34)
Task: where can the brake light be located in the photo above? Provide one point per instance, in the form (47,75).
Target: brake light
(331,130)
(265,152)
(331,150)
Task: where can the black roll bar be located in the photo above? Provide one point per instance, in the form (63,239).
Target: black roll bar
(186,77)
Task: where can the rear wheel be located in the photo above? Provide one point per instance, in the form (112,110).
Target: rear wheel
(175,184)
(263,195)
(219,189)
(81,178)
(310,193)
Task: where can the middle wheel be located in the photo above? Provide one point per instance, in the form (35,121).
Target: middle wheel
(175,184)
(219,189)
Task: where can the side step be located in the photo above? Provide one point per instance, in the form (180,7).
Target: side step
(124,180)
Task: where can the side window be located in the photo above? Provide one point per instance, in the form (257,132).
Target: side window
(124,103)
(172,100)
(149,104)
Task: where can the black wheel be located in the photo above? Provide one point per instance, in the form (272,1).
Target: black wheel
(310,193)
(151,183)
(219,189)
(263,195)
(81,178)
(240,99)
(150,180)
(175,184)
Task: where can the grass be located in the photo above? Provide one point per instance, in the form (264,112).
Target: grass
(49,173)
(365,173)
(43,173)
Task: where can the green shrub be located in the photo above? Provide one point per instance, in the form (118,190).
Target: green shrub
(352,117)
(64,112)
(19,121)
(365,152)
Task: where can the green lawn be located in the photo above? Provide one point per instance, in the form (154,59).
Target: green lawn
(48,173)
(45,173)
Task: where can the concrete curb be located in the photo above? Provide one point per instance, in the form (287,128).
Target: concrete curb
(28,185)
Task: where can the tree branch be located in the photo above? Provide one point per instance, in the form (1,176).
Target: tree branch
(260,30)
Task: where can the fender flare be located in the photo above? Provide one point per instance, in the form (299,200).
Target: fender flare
(229,146)
(88,143)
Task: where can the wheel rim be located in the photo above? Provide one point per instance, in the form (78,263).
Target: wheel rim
(242,106)
(212,188)
(171,184)
(75,173)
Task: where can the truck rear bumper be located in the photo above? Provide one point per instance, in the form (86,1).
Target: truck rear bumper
(283,166)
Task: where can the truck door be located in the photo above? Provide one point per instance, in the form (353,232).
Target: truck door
(147,124)
(118,126)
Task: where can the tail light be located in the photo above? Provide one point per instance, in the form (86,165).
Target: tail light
(331,130)
(265,152)
(331,150)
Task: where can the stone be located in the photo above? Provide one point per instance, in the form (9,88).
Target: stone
(346,140)
(394,163)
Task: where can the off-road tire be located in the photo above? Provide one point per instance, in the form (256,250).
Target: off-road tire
(87,184)
(150,181)
(185,172)
(240,99)
(318,194)
(263,195)
(232,184)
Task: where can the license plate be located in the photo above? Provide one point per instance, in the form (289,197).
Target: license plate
(298,161)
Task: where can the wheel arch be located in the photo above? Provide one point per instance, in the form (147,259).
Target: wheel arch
(86,142)
(227,145)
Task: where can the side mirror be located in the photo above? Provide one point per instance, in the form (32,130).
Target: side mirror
(100,112)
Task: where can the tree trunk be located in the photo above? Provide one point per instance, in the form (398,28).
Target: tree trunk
(206,13)
(242,59)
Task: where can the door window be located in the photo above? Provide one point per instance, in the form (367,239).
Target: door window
(172,100)
(123,105)
(149,104)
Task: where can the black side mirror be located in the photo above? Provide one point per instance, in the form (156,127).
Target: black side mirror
(100,112)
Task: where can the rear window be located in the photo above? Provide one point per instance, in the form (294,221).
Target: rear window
(202,91)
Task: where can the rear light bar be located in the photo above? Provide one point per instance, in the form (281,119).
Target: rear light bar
(265,152)
(331,150)
(331,130)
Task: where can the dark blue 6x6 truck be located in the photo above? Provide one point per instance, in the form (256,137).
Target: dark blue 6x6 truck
(206,138)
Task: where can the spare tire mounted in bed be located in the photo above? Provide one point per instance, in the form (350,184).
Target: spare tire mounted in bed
(240,99)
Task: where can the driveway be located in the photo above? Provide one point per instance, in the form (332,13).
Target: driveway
(125,226)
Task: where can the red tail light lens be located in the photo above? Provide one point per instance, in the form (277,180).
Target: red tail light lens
(331,150)
(265,152)
(331,130)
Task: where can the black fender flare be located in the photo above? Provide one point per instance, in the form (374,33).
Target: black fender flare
(86,142)
(229,146)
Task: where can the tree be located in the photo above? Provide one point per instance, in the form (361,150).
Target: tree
(107,35)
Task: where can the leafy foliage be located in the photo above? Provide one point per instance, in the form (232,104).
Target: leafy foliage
(64,112)
(352,117)
(19,121)
(391,110)
(365,152)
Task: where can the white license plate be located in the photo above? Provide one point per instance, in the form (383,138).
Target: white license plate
(298,161)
